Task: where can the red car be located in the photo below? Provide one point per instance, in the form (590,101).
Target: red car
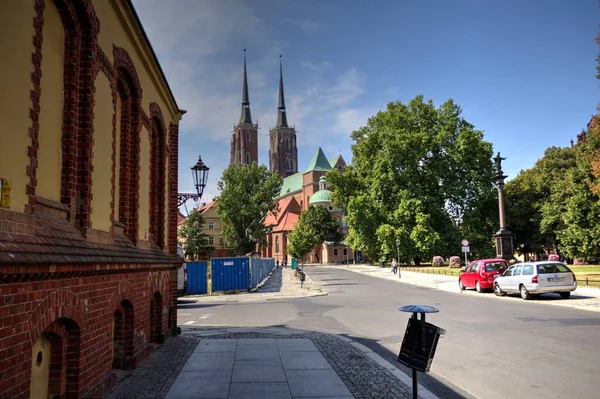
(480,274)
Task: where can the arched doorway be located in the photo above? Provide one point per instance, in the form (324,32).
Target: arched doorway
(156,305)
(123,322)
(55,361)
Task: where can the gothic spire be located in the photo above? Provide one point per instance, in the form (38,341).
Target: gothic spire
(281,115)
(245,117)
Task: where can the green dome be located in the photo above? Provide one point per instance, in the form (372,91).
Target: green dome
(320,196)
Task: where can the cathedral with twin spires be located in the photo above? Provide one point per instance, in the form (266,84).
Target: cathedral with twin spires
(300,189)
(283,150)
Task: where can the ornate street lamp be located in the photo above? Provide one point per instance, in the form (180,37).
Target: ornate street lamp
(503,238)
(200,176)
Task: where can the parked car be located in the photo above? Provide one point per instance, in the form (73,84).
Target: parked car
(534,278)
(480,274)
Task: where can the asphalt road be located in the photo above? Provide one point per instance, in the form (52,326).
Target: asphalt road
(492,348)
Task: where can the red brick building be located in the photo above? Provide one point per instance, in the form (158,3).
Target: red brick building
(298,191)
(88,210)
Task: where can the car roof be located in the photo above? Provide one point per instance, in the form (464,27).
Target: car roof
(490,260)
(545,262)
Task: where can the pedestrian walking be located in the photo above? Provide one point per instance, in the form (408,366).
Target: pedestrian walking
(394,266)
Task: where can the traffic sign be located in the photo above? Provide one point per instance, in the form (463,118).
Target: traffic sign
(466,248)
(465,242)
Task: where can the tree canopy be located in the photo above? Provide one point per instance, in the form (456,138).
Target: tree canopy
(314,226)
(419,174)
(247,194)
(192,238)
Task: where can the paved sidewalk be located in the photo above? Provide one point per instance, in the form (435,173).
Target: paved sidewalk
(280,285)
(265,363)
(585,298)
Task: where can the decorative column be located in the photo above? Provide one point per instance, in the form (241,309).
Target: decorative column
(503,238)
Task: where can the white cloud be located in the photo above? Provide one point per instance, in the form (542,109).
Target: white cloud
(305,24)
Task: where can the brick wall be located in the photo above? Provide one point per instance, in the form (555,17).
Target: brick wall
(79,303)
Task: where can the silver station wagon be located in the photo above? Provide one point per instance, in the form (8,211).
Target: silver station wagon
(534,278)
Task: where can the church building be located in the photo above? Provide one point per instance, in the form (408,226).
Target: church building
(299,189)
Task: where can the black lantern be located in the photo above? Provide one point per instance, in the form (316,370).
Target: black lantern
(200,176)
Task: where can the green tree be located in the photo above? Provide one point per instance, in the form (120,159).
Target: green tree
(417,173)
(192,238)
(247,194)
(579,235)
(314,226)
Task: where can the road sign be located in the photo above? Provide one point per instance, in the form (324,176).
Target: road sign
(466,248)
(465,243)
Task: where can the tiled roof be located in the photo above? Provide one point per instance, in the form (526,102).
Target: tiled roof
(56,241)
(204,208)
(333,161)
(291,184)
(289,221)
(283,206)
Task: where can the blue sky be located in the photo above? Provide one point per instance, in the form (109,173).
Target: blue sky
(522,71)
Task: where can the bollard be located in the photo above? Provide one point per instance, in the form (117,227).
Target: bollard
(419,343)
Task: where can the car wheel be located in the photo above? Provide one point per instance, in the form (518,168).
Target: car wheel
(524,293)
(461,285)
(478,287)
(565,295)
(498,291)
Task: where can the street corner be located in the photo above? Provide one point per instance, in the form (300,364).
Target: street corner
(330,361)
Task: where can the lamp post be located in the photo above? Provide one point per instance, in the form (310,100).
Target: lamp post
(199,175)
(398,260)
(503,238)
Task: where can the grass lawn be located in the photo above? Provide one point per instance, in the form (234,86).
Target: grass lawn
(589,272)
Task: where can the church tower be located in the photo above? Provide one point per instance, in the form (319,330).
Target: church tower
(283,151)
(244,139)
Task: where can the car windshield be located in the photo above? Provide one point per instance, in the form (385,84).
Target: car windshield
(495,266)
(548,268)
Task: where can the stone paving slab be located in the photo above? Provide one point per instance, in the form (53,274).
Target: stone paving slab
(210,361)
(353,373)
(316,383)
(258,371)
(260,390)
(304,361)
(295,345)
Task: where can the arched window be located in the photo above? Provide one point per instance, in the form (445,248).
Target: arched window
(248,158)
(130,96)
(81,28)
(276,245)
(248,135)
(287,143)
(288,163)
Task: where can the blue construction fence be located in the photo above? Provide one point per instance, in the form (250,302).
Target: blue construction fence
(227,274)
